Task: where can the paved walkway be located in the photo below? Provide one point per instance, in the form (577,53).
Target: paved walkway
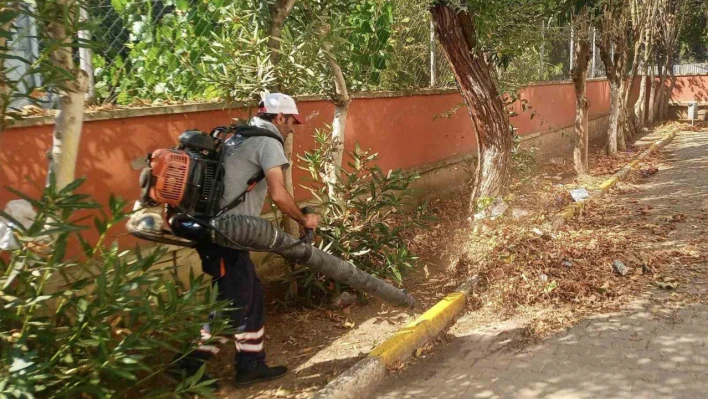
(648,351)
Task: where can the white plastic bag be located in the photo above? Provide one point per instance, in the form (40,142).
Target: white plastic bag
(22,212)
(579,194)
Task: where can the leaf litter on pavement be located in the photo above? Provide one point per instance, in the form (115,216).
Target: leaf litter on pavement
(556,277)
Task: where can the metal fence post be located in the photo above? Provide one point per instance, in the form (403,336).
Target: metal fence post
(572,50)
(542,49)
(433,70)
(592,72)
(85,57)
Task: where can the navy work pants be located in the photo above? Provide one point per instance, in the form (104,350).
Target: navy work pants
(234,275)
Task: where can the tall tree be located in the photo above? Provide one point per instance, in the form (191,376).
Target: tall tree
(640,15)
(62,29)
(579,73)
(455,30)
(669,38)
(614,52)
(280,12)
(654,80)
(647,49)
(666,38)
(341,100)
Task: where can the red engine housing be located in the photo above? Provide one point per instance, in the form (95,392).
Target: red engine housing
(170,171)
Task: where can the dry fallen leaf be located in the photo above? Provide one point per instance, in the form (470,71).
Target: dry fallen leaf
(666,285)
(347,324)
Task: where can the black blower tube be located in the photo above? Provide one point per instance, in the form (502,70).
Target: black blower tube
(257,233)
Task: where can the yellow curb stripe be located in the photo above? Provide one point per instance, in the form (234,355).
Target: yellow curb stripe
(609,183)
(360,380)
(406,340)
(571,210)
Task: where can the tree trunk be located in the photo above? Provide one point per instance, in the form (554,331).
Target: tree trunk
(622,121)
(667,89)
(630,115)
(667,100)
(339,125)
(579,75)
(643,22)
(670,35)
(652,98)
(289,225)
(341,101)
(640,106)
(69,118)
(614,119)
(614,65)
(660,91)
(455,32)
(280,12)
(614,52)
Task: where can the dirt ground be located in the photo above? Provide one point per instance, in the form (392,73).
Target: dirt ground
(319,344)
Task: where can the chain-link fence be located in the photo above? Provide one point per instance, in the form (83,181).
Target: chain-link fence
(155,50)
(188,50)
(699,68)
(145,51)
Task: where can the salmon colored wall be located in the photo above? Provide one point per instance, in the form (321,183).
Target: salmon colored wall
(553,105)
(690,88)
(406,131)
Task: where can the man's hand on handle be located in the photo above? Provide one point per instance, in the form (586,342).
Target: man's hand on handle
(311,221)
(285,202)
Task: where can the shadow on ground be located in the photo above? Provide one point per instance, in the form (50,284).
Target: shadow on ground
(654,348)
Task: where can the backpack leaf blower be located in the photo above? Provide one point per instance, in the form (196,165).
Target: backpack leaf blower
(180,205)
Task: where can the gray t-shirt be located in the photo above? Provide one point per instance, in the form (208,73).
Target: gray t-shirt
(244,158)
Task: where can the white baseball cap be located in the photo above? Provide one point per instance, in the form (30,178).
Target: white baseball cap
(279,103)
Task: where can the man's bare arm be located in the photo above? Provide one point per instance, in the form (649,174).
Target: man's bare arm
(284,201)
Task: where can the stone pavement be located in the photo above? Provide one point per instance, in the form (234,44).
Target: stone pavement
(646,351)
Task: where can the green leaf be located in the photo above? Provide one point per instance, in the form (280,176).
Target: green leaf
(16,224)
(8,15)
(19,364)
(128,360)
(71,187)
(183,5)
(123,373)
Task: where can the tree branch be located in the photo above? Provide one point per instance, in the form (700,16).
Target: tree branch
(281,11)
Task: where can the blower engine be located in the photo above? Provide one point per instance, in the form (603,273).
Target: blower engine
(181,181)
(184,186)
(186,177)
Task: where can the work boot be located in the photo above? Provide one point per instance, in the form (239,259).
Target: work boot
(183,368)
(259,372)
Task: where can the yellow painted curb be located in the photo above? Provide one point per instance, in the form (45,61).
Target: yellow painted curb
(609,183)
(574,209)
(406,340)
(361,379)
